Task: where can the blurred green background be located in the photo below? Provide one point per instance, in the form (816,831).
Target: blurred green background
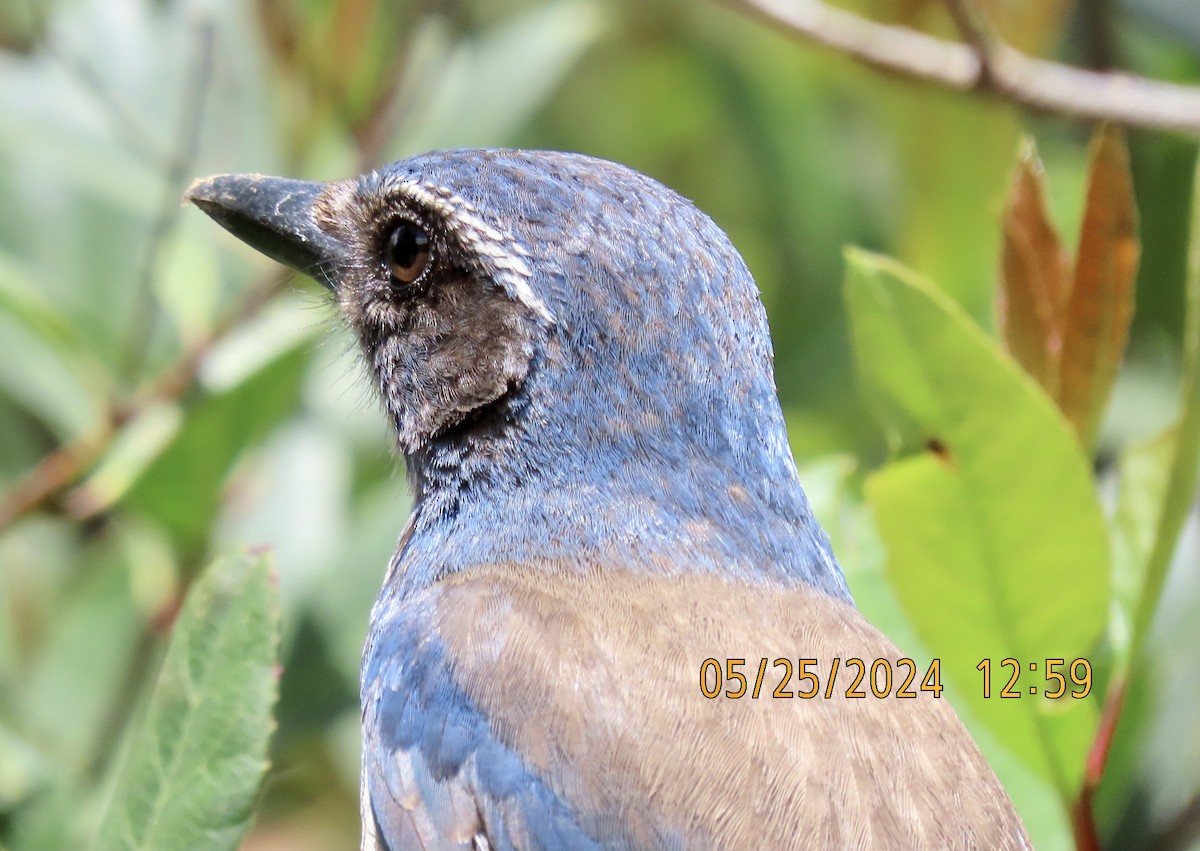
(166,396)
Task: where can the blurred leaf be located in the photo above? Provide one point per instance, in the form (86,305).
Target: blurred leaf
(987,531)
(340,597)
(1179,493)
(956,154)
(188,287)
(238,358)
(295,498)
(134,448)
(21,299)
(1096,325)
(81,636)
(1034,275)
(284,325)
(896,388)
(216,431)
(44,362)
(34,375)
(80,663)
(38,556)
(51,122)
(194,767)
(826,483)
(22,769)
(489,86)
(49,821)
(1143,473)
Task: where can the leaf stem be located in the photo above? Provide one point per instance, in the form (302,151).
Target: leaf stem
(1181,485)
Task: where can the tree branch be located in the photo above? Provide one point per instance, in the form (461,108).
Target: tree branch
(62,467)
(990,67)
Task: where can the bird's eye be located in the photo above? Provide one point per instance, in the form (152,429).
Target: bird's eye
(407,252)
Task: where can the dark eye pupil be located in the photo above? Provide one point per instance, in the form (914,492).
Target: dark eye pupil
(408,252)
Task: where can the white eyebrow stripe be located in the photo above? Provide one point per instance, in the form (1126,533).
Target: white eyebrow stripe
(501,254)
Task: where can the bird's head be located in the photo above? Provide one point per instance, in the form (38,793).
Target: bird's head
(545,318)
(461,272)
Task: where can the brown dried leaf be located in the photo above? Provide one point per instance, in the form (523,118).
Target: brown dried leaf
(1034,275)
(1096,324)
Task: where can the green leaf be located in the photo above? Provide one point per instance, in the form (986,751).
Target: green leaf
(80,664)
(22,769)
(1179,492)
(214,434)
(996,542)
(1143,473)
(44,363)
(826,483)
(194,766)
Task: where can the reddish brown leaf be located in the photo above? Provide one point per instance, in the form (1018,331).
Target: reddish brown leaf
(1096,324)
(1034,275)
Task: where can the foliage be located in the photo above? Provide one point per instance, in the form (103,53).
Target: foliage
(985,529)
(196,759)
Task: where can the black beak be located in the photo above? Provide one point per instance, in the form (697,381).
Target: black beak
(273,215)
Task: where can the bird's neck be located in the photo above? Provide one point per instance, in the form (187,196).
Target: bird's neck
(516,487)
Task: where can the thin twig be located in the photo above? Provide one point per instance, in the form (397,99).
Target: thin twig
(1099,44)
(1083,813)
(177,176)
(53,473)
(1035,84)
(62,467)
(975,33)
(129,128)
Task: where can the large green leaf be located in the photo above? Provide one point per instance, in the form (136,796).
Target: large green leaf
(856,541)
(996,542)
(194,766)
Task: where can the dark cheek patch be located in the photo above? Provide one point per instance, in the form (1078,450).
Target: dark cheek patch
(455,349)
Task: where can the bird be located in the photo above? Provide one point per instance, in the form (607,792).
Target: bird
(608,530)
